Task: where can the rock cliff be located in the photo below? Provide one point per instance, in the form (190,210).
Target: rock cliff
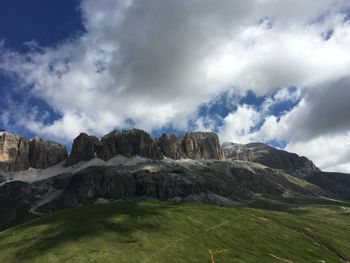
(129,143)
(14,152)
(196,145)
(171,146)
(18,153)
(269,156)
(202,145)
(43,154)
(222,182)
(84,149)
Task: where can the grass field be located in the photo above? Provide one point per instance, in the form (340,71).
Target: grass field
(167,232)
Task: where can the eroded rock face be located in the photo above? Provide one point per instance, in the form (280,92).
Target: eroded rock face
(43,154)
(129,143)
(195,145)
(15,203)
(18,153)
(202,145)
(171,146)
(14,152)
(84,149)
(268,156)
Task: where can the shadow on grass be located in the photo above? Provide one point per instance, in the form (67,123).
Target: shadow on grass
(71,225)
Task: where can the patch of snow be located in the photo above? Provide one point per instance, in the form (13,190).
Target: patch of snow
(151,168)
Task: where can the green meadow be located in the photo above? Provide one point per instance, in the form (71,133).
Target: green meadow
(174,232)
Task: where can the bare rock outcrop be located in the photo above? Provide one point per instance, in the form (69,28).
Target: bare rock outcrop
(268,156)
(129,143)
(43,154)
(171,146)
(194,145)
(202,145)
(14,152)
(84,149)
(18,153)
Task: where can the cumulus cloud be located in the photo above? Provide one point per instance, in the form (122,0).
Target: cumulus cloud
(237,126)
(321,111)
(153,63)
(330,153)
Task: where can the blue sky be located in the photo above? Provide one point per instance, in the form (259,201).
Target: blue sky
(248,70)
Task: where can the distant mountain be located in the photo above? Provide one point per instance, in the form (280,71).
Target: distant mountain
(131,165)
(268,156)
(19,153)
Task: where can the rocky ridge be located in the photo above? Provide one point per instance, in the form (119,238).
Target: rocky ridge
(131,165)
(268,156)
(221,182)
(128,143)
(135,142)
(18,153)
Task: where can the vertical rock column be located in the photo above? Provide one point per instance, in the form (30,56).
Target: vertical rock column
(14,152)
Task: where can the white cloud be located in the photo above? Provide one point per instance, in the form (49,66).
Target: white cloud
(330,153)
(237,126)
(153,63)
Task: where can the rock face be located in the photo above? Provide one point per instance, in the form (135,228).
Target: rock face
(223,182)
(171,146)
(268,156)
(195,145)
(129,143)
(43,154)
(18,153)
(14,152)
(15,203)
(84,149)
(202,145)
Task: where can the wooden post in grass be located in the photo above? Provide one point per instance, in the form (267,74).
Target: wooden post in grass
(216,251)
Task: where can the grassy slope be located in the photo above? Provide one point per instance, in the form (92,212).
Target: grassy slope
(164,232)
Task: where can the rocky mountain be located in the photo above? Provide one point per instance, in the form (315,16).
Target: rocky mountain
(268,156)
(135,142)
(129,143)
(18,153)
(83,149)
(222,182)
(14,152)
(131,165)
(195,145)
(43,154)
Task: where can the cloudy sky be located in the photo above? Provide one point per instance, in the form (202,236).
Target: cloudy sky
(276,71)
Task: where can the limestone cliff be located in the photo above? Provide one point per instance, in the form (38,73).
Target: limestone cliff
(43,154)
(269,156)
(195,145)
(129,143)
(14,152)
(18,153)
(84,149)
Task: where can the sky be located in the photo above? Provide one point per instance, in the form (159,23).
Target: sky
(258,70)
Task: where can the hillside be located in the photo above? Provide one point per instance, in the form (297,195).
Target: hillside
(174,232)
